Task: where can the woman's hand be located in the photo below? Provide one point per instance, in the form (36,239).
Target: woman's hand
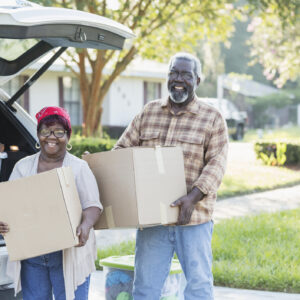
(3,228)
(83,231)
(89,217)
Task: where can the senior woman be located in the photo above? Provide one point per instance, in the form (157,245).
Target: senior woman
(64,274)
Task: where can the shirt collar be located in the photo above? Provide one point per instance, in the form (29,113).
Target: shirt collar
(191,107)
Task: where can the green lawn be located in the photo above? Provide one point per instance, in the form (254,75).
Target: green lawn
(290,133)
(258,252)
(250,177)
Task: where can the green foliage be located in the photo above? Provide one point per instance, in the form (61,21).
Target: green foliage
(278,153)
(275,40)
(258,252)
(92,145)
(162,28)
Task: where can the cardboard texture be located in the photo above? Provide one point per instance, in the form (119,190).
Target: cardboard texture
(42,211)
(137,185)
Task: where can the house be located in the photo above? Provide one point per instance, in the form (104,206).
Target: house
(237,89)
(142,81)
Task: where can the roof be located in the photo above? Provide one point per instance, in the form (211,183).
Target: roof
(137,68)
(246,87)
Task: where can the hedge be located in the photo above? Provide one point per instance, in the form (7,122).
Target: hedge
(278,153)
(92,145)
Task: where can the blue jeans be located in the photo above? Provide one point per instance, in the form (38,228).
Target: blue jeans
(155,247)
(42,276)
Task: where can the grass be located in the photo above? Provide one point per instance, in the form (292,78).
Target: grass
(259,252)
(289,133)
(244,178)
(124,248)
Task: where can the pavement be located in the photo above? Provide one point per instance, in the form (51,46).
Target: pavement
(270,201)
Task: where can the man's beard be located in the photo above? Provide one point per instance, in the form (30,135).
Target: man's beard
(178,97)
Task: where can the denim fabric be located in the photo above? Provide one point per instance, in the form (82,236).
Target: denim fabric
(43,275)
(155,247)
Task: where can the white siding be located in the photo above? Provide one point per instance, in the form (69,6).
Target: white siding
(126,100)
(43,93)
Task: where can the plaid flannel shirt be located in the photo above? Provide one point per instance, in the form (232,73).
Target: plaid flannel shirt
(201,132)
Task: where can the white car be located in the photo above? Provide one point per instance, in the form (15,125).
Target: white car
(236,120)
(51,28)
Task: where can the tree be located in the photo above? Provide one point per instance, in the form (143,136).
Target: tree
(161,28)
(275,40)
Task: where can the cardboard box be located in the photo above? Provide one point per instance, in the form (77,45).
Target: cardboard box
(42,211)
(137,185)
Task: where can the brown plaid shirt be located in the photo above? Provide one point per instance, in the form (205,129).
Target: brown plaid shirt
(201,132)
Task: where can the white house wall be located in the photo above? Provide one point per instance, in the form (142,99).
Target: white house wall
(123,102)
(44,92)
(126,97)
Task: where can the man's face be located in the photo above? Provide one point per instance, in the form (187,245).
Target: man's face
(182,81)
(1,147)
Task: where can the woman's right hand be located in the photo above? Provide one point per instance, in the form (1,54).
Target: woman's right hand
(3,228)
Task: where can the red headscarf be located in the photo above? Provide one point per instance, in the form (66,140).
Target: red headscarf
(53,110)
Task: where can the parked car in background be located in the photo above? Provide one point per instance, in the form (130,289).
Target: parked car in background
(236,120)
(50,30)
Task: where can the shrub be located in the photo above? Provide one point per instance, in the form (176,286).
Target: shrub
(278,153)
(92,145)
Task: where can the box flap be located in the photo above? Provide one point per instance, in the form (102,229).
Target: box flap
(71,197)
(118,197)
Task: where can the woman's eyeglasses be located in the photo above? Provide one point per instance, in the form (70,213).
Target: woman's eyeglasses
(58,133)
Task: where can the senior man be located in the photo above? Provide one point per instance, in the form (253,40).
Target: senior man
(182,120)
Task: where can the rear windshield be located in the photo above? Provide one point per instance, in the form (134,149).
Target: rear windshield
(12,49)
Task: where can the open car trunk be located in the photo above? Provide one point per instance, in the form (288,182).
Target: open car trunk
(17,142)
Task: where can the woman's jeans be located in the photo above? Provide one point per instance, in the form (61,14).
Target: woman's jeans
(155,247)
(42,276)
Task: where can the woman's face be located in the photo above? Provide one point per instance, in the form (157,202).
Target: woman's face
(53,146)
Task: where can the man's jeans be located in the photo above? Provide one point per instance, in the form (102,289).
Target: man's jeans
(155,248)
(42,276)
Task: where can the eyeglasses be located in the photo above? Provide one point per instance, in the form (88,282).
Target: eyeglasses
(185,75)
(58,133)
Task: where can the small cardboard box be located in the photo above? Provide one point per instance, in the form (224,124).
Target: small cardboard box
(137,185)
(42,211)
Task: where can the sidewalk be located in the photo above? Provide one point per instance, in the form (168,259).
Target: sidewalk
(97,292)
(270,201)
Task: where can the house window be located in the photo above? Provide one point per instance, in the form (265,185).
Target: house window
(70,98)
(12,86)
(152,91)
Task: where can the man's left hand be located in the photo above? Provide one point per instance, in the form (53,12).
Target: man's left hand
(187,204)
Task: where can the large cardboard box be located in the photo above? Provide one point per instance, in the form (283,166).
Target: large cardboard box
(137,185)
(42,211)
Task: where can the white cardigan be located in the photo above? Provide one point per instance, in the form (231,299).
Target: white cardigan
(78,262)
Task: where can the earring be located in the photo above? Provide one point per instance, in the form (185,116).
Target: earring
(69,147)
(37,146)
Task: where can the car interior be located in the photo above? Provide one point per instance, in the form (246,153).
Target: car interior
(17,144)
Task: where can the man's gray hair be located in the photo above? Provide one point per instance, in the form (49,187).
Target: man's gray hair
(189,57)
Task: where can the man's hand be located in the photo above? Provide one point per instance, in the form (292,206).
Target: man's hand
(3,228)
(187,204)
